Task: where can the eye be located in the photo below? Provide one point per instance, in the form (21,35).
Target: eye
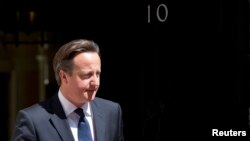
(98,74)
(85,76)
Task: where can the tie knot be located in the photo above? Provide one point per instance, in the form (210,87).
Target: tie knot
(79,111)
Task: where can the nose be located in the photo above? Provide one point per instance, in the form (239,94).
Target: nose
(95,81)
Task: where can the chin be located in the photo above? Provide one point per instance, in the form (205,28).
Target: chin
(92,98)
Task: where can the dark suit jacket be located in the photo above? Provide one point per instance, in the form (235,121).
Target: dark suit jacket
(46,121)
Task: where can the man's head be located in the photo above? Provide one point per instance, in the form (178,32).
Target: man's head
(77,68)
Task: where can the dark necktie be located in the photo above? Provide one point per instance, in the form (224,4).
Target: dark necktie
(84,133)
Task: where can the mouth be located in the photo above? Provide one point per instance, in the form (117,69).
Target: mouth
(90,94)
(90,91)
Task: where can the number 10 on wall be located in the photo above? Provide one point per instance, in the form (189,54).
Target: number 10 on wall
(161,13)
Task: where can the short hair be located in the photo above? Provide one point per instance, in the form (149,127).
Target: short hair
(65,54)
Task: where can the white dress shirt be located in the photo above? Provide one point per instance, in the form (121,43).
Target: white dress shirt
(73,118)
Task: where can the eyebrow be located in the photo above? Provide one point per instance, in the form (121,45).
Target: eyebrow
(87,72)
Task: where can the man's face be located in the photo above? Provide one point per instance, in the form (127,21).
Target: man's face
(84,81)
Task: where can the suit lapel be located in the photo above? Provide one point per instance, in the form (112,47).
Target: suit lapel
(98,121)
(59,121)
(62,128)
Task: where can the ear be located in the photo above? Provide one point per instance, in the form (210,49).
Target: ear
(63,76)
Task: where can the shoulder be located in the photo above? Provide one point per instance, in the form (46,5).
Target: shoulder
(105,102)
(38,110)
(106,107)
(33,112)
(30,115)
(32,109)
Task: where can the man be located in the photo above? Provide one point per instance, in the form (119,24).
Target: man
(77,67)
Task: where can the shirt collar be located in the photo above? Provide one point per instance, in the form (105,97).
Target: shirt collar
(87,109)
(68,107)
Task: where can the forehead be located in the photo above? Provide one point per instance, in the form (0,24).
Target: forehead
(87,59)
